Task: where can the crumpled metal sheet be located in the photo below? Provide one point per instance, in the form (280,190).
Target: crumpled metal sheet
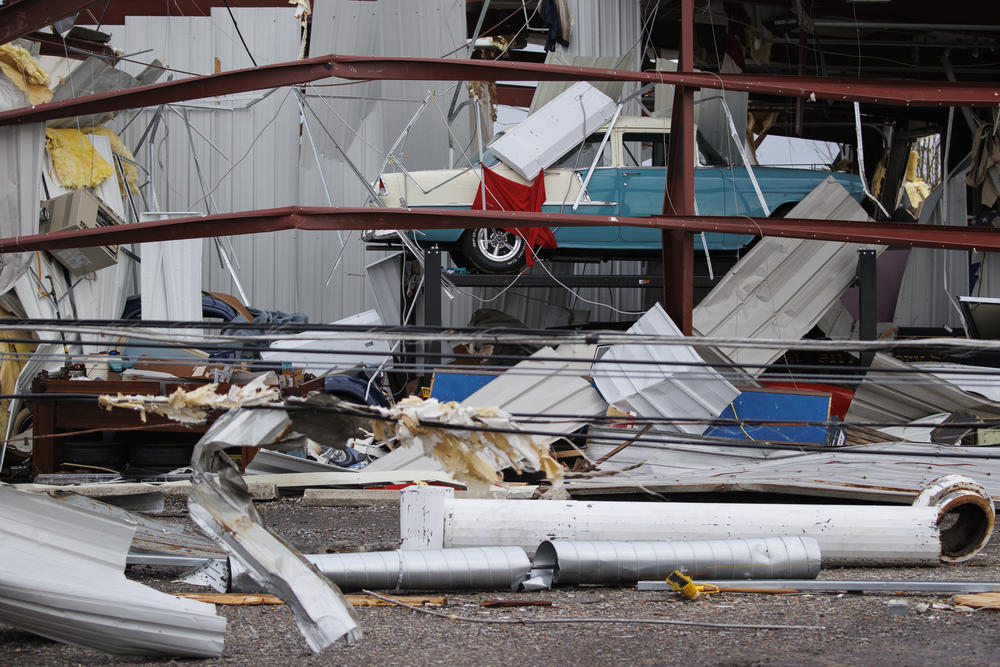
(221,505)
(151,536)
(61,576)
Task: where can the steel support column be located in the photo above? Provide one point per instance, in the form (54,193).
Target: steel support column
(678,245)
(432,306)
(867,301)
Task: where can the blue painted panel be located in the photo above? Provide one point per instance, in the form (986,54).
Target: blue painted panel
(447,386)
(779,406)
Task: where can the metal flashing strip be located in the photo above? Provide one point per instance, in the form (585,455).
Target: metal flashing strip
(221,505)
(62,577)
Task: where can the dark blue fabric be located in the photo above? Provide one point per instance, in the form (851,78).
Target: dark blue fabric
(550,14)
(347,386)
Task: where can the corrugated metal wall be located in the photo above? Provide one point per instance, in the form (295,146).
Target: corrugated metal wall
(254,156)
(248,155)
(254,153)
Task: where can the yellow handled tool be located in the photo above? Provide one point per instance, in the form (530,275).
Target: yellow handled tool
(683,584)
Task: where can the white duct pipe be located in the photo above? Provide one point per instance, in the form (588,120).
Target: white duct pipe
(847,534)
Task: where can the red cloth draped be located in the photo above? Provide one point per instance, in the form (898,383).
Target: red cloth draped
(503,194)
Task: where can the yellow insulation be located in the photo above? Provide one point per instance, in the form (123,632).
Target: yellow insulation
(18,66)
(118,147)
(74,160)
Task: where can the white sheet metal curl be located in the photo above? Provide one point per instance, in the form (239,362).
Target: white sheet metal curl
(62,577)
(484,568)
(625,562)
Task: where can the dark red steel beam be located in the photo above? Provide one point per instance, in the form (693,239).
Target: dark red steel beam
(19,18)
(515,96)
(678,199)
(367,68)
(192,88)
(323,219)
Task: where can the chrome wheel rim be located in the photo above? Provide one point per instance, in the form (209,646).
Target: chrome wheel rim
(498,245)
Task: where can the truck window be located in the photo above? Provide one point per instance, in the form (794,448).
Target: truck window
(581,155)
(645,149)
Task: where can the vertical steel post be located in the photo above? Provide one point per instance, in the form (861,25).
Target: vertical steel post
(678,246)
(432,305)
(867,301)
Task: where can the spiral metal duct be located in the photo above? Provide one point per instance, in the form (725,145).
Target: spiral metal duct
(627,562)
(485,568)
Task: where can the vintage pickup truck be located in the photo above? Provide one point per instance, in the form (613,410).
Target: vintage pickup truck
(629,179)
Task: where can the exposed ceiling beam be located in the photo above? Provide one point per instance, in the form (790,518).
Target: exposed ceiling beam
(19,18)
(362,68)
(320,219)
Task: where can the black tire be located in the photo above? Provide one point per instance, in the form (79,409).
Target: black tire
(458,259)
(493,250)
(784,209)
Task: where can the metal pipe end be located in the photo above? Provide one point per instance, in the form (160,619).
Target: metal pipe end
(547,558)
(966,515)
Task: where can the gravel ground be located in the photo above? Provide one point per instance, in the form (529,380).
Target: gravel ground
(848,629)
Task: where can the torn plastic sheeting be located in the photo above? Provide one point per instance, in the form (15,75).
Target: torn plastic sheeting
(62,577)
(221,505)
(574,562)
(474,457)
(673,385)
(483,568)
(954,525)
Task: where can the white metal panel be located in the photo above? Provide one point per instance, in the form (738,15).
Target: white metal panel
(669,382)
(782,287)
(62,577)
(547,134)
(321,354)
(933,278)
(20,188)
(170,276)
(892,392)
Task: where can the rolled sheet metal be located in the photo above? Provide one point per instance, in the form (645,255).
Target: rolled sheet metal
(951,522)
(628,562)
(485,568)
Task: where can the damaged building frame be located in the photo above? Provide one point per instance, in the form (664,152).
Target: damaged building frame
(180,319)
